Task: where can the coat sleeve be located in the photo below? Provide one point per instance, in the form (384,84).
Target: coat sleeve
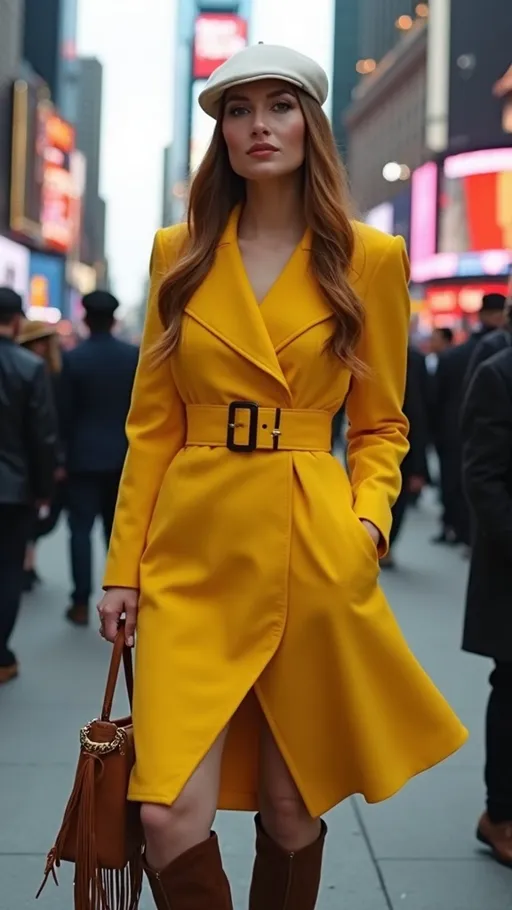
(41,424)
(155,428)
(486,428)
(377,435)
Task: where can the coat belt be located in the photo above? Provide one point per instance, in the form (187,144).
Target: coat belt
(244,426)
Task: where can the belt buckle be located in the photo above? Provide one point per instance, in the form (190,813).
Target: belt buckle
(251,444)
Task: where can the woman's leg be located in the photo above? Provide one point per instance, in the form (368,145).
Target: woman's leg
(183,862)
(172,830)
(284,816)
(289,842)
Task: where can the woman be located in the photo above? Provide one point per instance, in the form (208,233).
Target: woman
(271,675)
(42,339)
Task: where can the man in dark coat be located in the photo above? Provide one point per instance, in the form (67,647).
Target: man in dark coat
(95,392)
(28,450)
(486,429)
(449,395)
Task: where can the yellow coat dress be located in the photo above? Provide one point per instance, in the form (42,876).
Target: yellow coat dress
(256,576)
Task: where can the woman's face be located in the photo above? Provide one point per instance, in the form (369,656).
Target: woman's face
(264,130)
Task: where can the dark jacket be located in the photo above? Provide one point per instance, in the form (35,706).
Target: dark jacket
(486,428)
(490,344)
(450,390)
(95,391)
(416,411)
(28,429)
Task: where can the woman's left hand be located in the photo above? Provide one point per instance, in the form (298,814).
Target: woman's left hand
(372,530)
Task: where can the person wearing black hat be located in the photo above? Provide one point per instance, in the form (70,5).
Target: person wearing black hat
(95,390)
(491,343)
(448,398)
(28,450)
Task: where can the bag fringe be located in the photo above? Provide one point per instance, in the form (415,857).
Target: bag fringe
(94,888)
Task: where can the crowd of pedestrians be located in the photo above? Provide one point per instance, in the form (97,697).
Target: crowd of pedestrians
(62,447)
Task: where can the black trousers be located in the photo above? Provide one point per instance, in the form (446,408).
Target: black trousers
(15,526)
(399,509)
(90,496)
(498,768)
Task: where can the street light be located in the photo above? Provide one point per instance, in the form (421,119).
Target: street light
(404,23)
(393,171)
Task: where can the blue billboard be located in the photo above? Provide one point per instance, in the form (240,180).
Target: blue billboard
(47,286)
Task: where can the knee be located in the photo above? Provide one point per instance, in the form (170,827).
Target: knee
(189,817)
(287,821)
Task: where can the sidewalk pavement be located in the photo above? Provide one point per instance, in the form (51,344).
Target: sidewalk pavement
(414,852)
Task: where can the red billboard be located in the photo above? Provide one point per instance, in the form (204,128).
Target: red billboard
(58,197)
(217,37)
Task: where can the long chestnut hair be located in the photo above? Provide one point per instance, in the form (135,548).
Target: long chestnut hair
(216,189)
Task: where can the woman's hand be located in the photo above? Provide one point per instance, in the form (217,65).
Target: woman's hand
(372,530)
(112,606)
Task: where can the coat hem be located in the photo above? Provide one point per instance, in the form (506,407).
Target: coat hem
(234,801)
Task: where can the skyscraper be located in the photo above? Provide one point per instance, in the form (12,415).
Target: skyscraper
(89,75)
(346,54)
(381,22)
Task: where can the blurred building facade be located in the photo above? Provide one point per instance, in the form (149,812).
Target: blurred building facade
(345,75)
(11,42)
(430,144)
(89,93)
(43,230)
(207,33)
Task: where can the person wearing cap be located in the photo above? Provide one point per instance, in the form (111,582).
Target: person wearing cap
(270,673)
(94,397)
(42,339)
(28,448)
(450,386)
(492,343)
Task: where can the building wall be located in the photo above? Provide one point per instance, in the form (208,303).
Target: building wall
(377,30)
(346,54)
(42,40)
(88,140)
(387,123)
(11,32)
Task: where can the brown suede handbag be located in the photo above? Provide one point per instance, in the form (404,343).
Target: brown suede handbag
(101,832)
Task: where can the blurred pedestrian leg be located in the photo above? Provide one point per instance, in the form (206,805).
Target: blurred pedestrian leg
(90,494)
(15,524)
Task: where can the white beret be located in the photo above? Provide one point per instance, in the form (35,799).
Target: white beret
(264,61)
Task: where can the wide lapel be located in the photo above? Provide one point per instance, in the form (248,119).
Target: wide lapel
(225,305)
(294,304)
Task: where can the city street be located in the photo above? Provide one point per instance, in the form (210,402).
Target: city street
(415,852)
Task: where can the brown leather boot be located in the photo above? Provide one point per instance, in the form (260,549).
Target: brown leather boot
(498,837)
(193,881)
(282,880)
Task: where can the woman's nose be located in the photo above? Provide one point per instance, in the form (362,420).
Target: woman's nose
(259,128)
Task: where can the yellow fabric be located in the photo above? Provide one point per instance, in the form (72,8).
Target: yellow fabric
(256,575)
(308,430)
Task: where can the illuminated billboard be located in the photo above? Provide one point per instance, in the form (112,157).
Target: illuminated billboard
(462,217)
(44,188)
(217,37)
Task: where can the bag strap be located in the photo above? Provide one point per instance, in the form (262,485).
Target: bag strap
(120,650)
